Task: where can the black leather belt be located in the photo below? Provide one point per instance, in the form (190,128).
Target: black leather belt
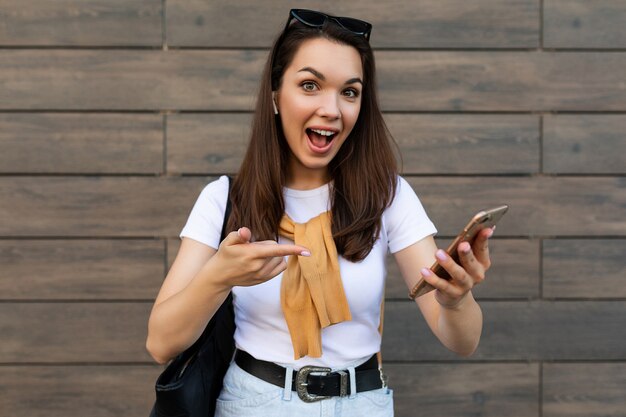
(313,383)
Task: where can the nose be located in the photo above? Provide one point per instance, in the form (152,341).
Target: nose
(329,107)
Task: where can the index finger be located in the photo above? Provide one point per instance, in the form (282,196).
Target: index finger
(272,251)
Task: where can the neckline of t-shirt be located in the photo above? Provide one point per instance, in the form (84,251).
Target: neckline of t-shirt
(307,193)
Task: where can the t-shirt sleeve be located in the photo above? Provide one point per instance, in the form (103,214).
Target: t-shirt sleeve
(207,215)
(406,221)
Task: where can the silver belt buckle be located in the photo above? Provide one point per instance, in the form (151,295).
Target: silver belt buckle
(301,383)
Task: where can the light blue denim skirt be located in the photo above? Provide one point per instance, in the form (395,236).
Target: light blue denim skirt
(245,395)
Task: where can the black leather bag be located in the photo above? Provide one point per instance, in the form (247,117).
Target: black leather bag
(191,383)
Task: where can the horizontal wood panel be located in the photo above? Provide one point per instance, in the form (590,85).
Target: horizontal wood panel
(74,332)
(514,81)
(594,206)
(584,389)
(139,207)
(517,330)
(227,80)
(129,80)
(443,144)
(173,245)
(584,144)
(466,144)
(489,390)
(584,24)
(81,269)
(80,23)
(513,330)
(81,143)
(514,272)
(59,391)
(584,268)
(206,143)
(96,206)
(399,24)
(504,390)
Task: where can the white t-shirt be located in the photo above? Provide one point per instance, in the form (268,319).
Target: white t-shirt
(261,327)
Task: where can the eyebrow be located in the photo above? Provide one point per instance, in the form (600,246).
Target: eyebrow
(323,78)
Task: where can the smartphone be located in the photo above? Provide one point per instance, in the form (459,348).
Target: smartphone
(482,220)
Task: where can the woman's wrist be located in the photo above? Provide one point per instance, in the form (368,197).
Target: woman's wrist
(454,305)
(214,277)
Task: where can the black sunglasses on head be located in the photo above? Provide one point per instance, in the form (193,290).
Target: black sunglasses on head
(317,19)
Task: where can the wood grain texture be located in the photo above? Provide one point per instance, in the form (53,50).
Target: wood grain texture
(507,81)
(429,144)
(206,143)
(129,80)
(399,24)
(584,144)
(140,207)
(81,269)
(459,390)
(74,332)
(514,272)
(80,23)
(539,206)
(81,143)
(96,206)
(227,80)
(584,24)
(173,245)
(517,330)
(466,144)
(60,391)
(115,332)
(114,115)
(584,389)
(584,268)
(506,390)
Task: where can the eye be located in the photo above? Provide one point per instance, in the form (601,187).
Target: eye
(308,86)
(351,93)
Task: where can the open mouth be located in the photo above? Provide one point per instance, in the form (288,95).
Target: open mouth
(320,140)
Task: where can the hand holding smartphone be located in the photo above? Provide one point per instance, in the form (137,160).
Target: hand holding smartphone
(482,220)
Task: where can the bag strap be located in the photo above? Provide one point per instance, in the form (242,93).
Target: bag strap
(211,324)
(227,212)
(379,355)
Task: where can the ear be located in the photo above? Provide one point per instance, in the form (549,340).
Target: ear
(274,102)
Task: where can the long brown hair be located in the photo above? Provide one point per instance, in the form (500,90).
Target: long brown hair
(364,170)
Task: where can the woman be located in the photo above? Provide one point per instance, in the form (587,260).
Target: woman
(318,185)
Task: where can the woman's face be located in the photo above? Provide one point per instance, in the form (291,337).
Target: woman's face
(318,103)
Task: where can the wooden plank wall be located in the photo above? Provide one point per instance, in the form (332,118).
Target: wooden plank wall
(115,114)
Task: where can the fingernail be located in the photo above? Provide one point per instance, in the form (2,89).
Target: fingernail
(239,232)
(305,253)
(441,255)
(490,232)
(426,272)
(464,247)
